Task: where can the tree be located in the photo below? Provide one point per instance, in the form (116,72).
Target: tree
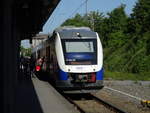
(141,15)
(117,19)
(77,21)
(92,20)
(114,27)
(95,19)
(25,51)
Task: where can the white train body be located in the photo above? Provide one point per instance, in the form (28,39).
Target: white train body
(79,68)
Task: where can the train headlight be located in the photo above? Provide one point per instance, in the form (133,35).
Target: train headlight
(93,69)
(69,70)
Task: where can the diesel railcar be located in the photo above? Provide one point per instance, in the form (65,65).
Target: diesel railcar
(73,58)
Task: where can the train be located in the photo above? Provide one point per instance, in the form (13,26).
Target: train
(73,59)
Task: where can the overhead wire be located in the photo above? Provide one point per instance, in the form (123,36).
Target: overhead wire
(56,12)
(83,3)
(78,8)
(53,18)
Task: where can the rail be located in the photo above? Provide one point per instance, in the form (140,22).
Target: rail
(72,98)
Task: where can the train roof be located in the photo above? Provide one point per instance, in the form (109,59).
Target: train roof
(74,32)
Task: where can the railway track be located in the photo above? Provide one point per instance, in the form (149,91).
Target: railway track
(89,103)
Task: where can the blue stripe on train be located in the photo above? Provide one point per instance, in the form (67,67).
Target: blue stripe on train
(99,74)
(80,56)
(63,75)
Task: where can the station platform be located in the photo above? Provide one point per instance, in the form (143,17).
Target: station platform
(36,96)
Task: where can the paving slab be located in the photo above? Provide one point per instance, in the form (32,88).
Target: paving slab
(51,101)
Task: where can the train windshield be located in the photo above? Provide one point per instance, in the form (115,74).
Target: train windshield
(80,51)
(79,46)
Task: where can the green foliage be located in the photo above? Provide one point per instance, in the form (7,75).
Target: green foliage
(126,76)
(117,19)
(126,40)
(95,19)
(117,39)
(113,28)
(141,15)
(77,21)
(25,51)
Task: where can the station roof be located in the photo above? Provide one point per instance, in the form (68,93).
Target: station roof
(31,15)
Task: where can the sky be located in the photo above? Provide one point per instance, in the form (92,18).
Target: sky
(69,8)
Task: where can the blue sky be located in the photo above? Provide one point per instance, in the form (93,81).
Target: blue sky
(68,8)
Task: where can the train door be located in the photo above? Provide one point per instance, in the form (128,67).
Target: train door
(38,54)
(47,58)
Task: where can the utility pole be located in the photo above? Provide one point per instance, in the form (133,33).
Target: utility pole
(93,22)
(86,8)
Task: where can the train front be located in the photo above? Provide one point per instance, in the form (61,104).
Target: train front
(81,60)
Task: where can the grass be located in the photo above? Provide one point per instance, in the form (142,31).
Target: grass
(126,76)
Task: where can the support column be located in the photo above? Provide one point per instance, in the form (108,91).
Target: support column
(9,54)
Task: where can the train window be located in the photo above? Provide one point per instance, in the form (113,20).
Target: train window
(80,51)
(79,46)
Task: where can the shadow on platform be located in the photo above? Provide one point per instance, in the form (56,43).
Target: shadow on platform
(26,98)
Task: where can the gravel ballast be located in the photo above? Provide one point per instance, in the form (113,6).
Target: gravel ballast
(126,95)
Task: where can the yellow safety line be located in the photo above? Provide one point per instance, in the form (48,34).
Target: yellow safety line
(145,103)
